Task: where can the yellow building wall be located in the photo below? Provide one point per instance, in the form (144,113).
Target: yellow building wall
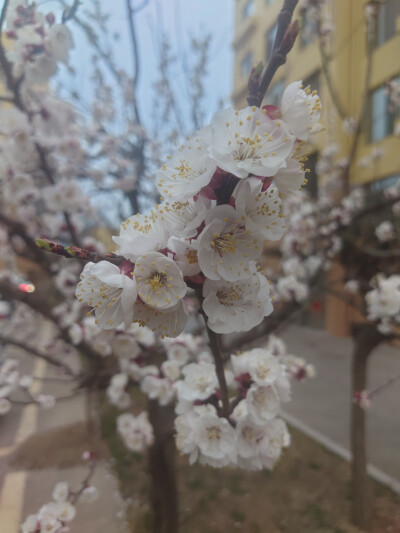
(347,68)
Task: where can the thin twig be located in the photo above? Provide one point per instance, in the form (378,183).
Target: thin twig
(17,228)
(85,483)
(282,45)
(390,381)
(325,70)
(74,252)
(33,352)
(363,110)
(214,341)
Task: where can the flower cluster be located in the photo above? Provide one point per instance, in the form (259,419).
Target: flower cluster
(135,431)
(40,43)
(54,516)
(383,301)
(222,194)
(252,436)
(13,383)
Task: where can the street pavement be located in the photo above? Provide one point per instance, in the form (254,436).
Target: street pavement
(23,492)
(323,403)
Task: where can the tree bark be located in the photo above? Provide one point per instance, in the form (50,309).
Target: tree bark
(164,494)
(366,338)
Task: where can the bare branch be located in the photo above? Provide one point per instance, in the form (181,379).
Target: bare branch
(33,352)
(284,41)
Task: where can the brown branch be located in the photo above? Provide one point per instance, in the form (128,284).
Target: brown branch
(215,345)
(364,107)
(325,70)
(14,86)
(85,483)
(17,228)
(387,383)
(56,398)
(10,293)
(74,252)
(375,252)
(136,59)
(375,207)
(284,41)
(32,351)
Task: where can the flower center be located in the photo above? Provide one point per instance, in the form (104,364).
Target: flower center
(184,169)
(246,148)
(157,280)
(191,256)
(213,433)
(228,296)
(224,243)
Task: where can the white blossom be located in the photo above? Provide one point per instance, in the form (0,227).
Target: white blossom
(199,382)
(301,110)
(264,368)
(60,42)
(385,231)
(89,495)
(136,432)
(225,247)
(237,306)
(61,492)
(384,300)
(260,209)
(187,171)
(215,438)
(263,403)
(249,142)
(111,293)
(157,388)
(159,281)
(141,234)
(167,322)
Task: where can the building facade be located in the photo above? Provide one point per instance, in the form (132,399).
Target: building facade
(255,29)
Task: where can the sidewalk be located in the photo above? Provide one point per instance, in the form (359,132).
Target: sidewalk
(323,403)
(23,492)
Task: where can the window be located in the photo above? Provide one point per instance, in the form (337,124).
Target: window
(312,178)
(308,29)
(385,183)
(381,118)
(270,38)
(248,10)
(274,94)
(246,64)
(389,12)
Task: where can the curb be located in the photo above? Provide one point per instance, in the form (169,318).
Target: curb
(374,472)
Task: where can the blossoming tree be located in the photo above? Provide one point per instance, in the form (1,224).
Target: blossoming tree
(223,193)
(356,230)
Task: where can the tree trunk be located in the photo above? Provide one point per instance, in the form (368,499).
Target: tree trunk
(164,494)
(366,338)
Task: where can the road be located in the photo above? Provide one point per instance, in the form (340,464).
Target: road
(23,492)
(323,403)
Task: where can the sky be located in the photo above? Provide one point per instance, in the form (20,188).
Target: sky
(179,19)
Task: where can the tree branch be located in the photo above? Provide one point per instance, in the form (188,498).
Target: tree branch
(32,351)
(284,41)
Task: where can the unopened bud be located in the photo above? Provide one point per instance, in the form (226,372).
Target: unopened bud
(254,78)
(50,19)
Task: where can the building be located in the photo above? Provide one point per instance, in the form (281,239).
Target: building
(255,29)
